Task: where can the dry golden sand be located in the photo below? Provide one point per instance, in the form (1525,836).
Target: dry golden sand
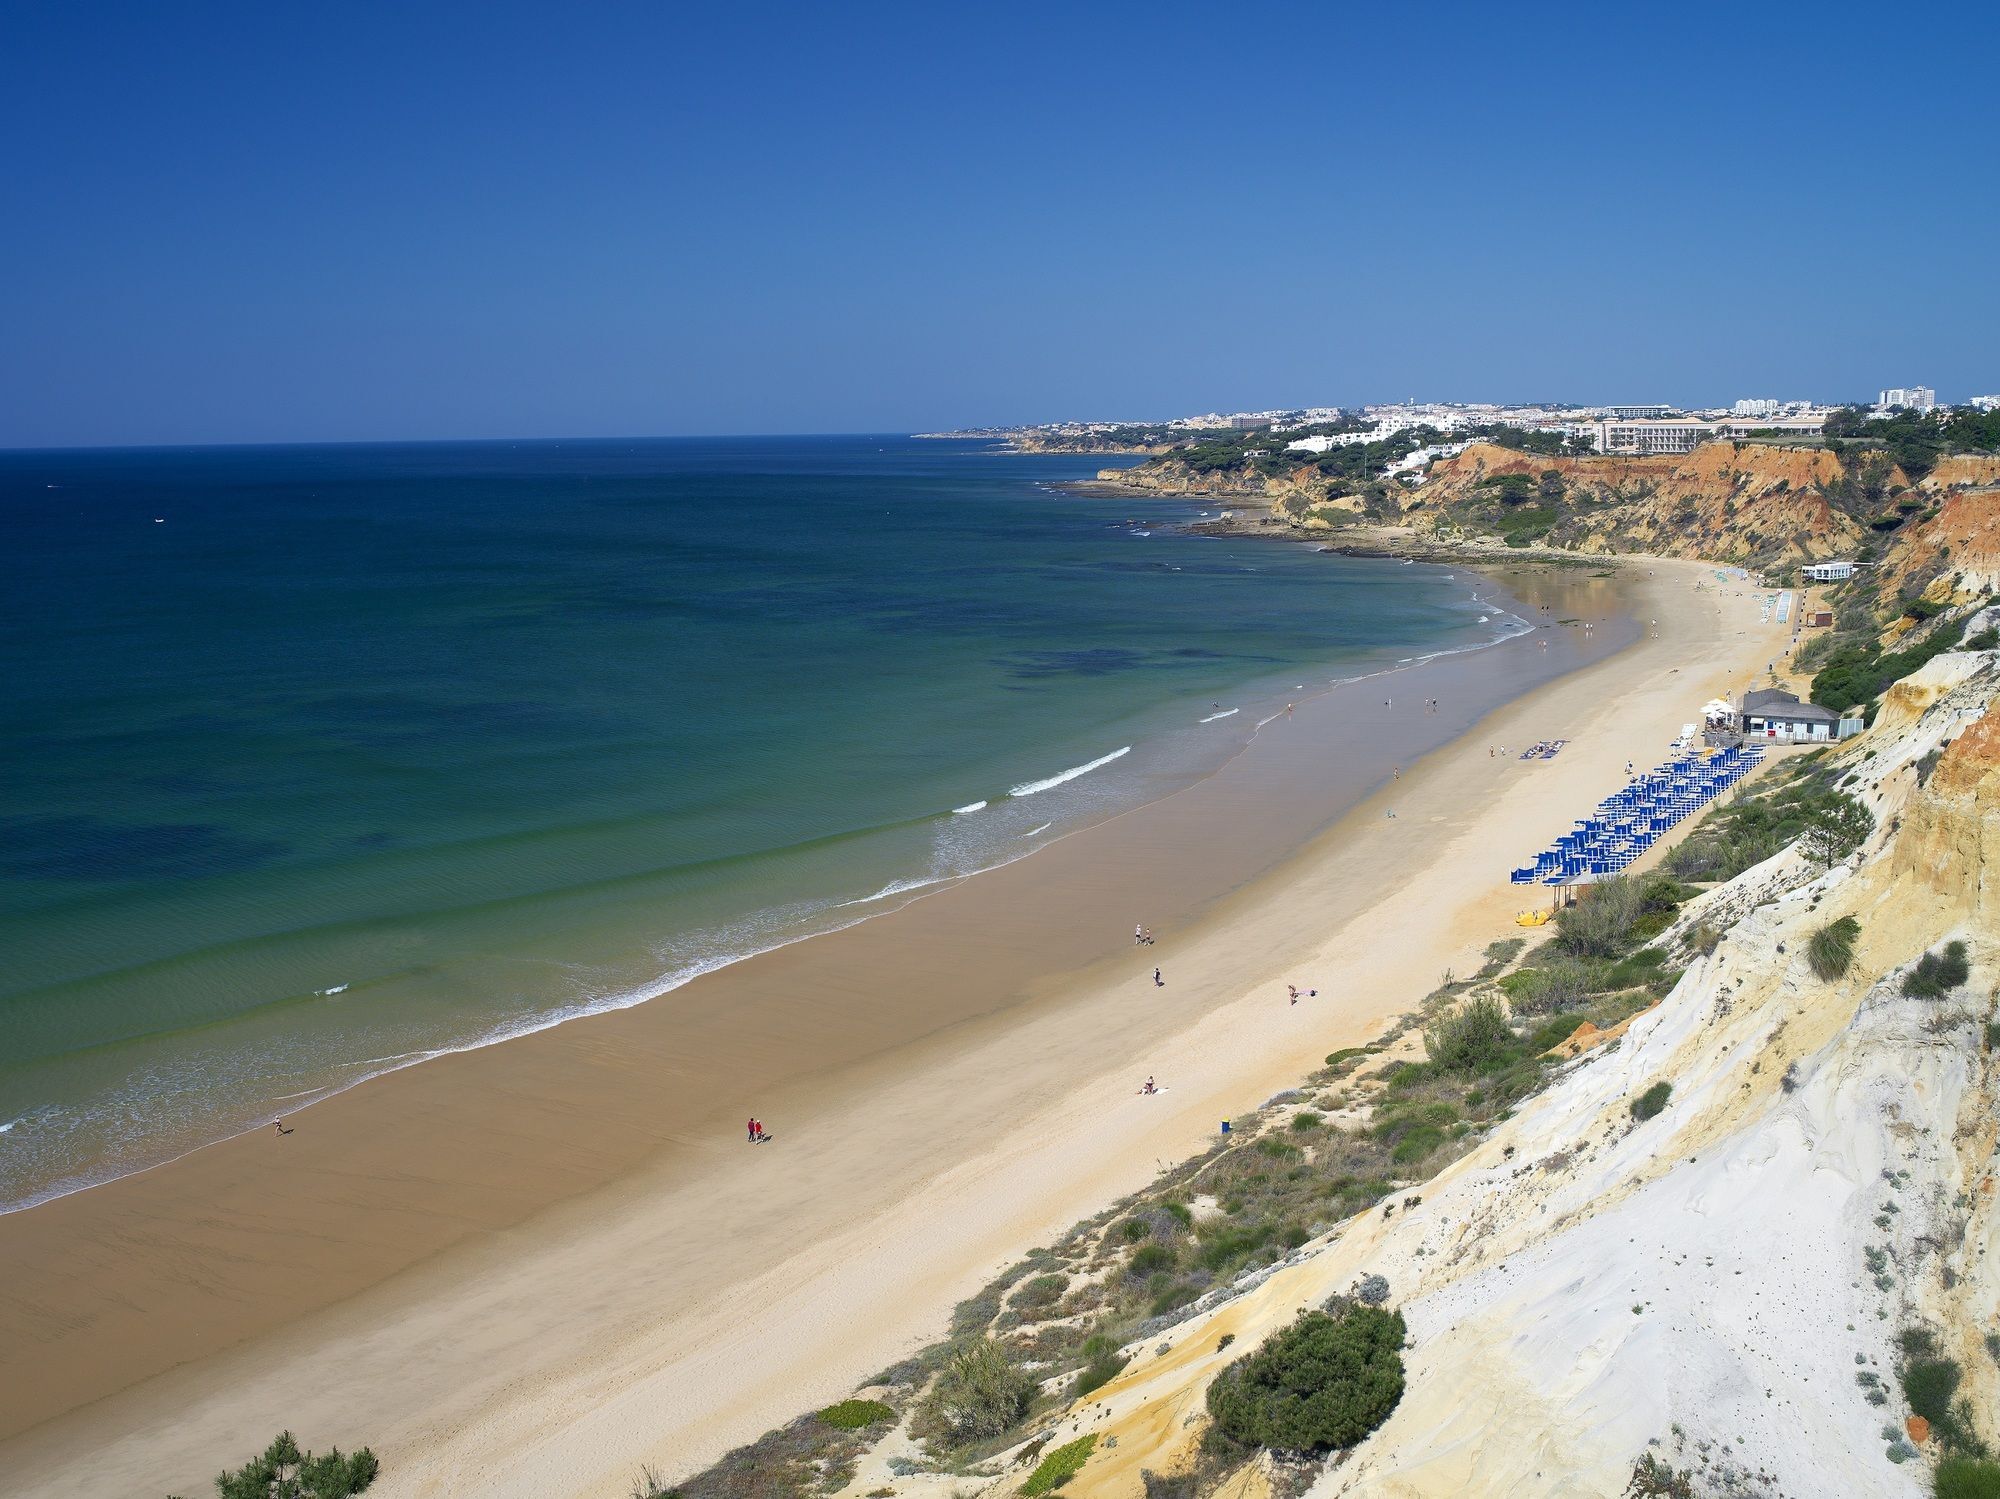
(528,1270)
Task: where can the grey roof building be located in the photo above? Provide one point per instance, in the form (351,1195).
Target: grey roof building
(1771,713)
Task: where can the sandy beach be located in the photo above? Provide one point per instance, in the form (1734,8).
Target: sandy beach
(527,1270)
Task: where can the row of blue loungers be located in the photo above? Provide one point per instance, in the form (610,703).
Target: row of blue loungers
(1628,824)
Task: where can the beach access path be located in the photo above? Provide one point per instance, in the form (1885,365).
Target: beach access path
(706,1292)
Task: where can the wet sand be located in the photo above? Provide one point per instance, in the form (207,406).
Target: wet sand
(524,1270)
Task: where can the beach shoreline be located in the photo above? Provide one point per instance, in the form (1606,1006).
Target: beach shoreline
(683,1304)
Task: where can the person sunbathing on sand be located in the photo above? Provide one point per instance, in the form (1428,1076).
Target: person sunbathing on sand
(1149,1088)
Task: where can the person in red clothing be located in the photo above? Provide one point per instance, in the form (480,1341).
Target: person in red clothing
(756,1129)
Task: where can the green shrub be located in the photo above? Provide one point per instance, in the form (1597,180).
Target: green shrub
(1417,1145)
(1928,1385)
(853,1415)
(1835,828)
(1654,1099)
(1305,1120)
(1223,1247)
(1559,982)
(1060,1466)
(1041,1293)
(1936,974)
(1151,1257)
(1595,926)
(1967,1478)
(979,1394)
(1555,1029)
(1858,673)
(1831,950)
(282,1471)
(1322,1383)
(1135,1228)
(1471,1038)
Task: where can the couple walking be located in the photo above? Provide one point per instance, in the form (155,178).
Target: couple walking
(757,1135)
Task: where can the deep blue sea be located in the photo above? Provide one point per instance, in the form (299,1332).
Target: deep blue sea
(321,760)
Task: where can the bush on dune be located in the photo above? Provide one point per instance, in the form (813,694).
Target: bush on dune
(1936,974)
(980,1393)
(282,1471)
(1831,949)
(1474,1036)
(1967,1478)
(1617,915)
(1558,983)
(1323,1383)
(1060,1466)
(1652,1101)
(854,1415)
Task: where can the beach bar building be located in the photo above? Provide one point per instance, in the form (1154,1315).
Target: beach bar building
(1828,572)
(1773,714)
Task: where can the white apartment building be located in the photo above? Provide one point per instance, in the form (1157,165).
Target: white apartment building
(1638,413)
(1913,398)
(1325,442)
(1642,437)
(1985,403)
(1756,408)
(1794,426)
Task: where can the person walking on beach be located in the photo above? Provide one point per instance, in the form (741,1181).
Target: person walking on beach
(1138,935)
(755,1129)
(1158,982)
(1293,990)
(279,1126)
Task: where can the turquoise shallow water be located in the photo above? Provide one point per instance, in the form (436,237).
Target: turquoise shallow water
(321,760)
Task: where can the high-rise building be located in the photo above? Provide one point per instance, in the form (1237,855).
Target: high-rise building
(1911,398)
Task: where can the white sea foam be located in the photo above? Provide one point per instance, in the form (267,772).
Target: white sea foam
(336,989)
(1225,713)
(4,1128)
(896,887)
(968,807)
(1042,829)
(1029,788)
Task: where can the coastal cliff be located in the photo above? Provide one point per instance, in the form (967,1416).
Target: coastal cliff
(1754,504)
(1731,1294)
(1722,1228)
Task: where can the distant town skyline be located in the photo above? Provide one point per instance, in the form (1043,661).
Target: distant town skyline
(230,223)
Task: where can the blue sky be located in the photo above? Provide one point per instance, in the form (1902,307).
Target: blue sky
(276,223)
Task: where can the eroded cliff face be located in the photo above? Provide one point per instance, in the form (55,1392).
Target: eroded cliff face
(1739,502)
(1745,502)
(1960,544)
(1720,1288)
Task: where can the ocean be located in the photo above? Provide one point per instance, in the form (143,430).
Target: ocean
(325,760)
